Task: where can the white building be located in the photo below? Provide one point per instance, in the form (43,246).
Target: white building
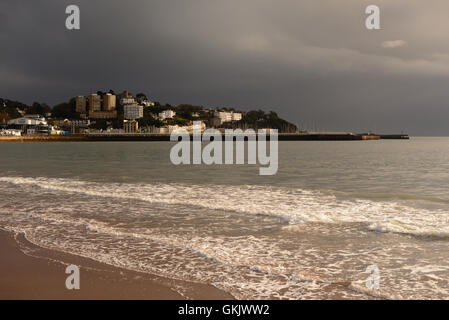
(133,111)
(54,131)
(10,132)
(161,130)
(166,114)
(83,123)
(221,116)
(127,100)
(236,116)
(147,103)
(170,129)
(29,120)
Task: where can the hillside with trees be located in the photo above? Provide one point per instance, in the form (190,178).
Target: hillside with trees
(259,119)
(185,114)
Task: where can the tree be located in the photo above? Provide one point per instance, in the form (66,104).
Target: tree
(4,118)
(37,108)
(260,120)
(12,112)
(65,110)
(141,97)
(177,120)
(150,121)
(99,124)
(185,111)
(10,107)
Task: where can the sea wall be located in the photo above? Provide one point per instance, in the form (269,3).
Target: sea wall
(166,137)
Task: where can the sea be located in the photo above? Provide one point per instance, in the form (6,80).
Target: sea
(339,220)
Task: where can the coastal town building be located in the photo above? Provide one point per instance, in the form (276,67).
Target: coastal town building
(56,132)
(109,130)
(169,129)
(103,114)
(10,132)
(221,117)
(165,129)
(96,106)
(109,102)
(94,103)
(80,122)
(166,114)
(133,111)
(29,120)
(79,125)
(236,116)
(80,104)
(30,124)
(126,98)
(189,128)
(131,126)
(147,103)
(60,122)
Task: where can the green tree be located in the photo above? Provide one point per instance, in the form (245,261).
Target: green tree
(37,108)
(99,124)
(65,110)
(141,96)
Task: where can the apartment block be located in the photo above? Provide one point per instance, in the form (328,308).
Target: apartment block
(133,111)
(80,104)
(221,117)
(166,114)
(109,102)
(94,103)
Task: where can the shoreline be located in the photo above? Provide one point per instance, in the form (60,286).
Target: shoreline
(166,137)
(30,272)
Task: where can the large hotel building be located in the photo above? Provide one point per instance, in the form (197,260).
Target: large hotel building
(80,104)
(94,103)
(109,101)
(104,107)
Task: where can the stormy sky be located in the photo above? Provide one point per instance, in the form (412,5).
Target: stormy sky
(313,62)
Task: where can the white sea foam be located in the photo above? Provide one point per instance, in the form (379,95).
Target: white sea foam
(246,265)
(294,205)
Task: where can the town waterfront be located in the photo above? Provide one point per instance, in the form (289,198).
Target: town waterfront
(310,231)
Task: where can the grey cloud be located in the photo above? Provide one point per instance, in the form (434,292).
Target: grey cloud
(312,62)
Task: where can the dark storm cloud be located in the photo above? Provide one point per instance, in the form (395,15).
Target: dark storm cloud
(311,61)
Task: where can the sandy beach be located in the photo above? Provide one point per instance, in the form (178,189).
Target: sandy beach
(30,272)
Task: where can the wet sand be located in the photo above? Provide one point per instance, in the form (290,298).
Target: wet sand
(30,272)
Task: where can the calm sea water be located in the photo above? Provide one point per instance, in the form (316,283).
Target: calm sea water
(333,209)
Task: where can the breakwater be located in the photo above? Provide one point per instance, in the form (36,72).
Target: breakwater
(166,137)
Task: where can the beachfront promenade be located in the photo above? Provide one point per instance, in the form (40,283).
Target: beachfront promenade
(166,137)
